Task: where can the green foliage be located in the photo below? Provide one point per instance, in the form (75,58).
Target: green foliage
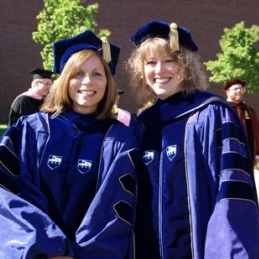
(62,19)
(239,57)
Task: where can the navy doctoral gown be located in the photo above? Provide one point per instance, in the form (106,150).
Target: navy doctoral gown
(67,187)
(196,192)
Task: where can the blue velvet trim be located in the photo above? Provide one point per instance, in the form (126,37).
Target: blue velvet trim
(9,161)
(230,130)
(9,184)
(236,190)
(124,211)
(234,161)
(128,184)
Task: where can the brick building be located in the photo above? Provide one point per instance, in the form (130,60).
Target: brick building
(204,18)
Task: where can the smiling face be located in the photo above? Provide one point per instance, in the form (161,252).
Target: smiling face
(161,74)
(235,93)
(87,87)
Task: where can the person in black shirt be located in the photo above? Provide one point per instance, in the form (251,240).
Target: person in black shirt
(30,101)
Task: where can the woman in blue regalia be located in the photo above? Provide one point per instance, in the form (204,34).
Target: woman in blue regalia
(196,192)
(67,173)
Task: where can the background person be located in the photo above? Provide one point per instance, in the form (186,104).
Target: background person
(30,101)
(67,173)
(235,91)
(121,114)
(195,180)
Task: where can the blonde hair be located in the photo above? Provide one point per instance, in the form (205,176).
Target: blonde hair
(58,100)
(192,74)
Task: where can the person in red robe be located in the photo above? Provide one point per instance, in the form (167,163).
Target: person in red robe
(235,90)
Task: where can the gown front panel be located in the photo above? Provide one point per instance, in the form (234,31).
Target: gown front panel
(174,201)
(69,175)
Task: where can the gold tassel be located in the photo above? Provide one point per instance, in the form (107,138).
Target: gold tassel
(115,110)
(173,37)
(106,50)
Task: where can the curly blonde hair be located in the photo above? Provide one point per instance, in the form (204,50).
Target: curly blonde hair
(192,74)
(59,101)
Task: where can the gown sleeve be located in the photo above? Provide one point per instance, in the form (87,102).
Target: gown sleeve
(107,228)
(26,229)
(233,227)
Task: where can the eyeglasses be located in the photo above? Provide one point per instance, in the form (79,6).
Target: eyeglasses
(236,89)
(45,83)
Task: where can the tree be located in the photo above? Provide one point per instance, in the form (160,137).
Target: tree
(62,19)
(239,57)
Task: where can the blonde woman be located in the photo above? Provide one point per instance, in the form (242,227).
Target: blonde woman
(196,192)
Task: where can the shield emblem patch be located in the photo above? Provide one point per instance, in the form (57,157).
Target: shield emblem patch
(171,152)
(84,166)
(148,156)
(54,161)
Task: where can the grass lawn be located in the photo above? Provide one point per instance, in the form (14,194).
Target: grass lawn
(3,128)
